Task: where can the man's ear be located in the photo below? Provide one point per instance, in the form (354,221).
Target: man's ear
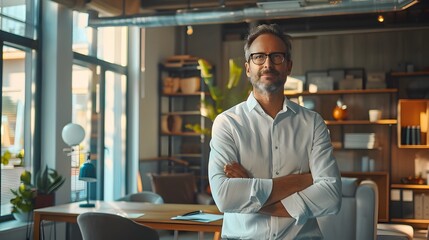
(247,66)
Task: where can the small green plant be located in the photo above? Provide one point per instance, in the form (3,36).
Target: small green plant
(5,157)
(222,97)
(24,196)
(47,182)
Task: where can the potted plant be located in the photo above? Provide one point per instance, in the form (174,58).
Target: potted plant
(40,194)
(222,97)
(22,203)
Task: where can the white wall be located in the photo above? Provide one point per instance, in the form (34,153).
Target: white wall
(157,45)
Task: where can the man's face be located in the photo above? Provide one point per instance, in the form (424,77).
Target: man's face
(268,77)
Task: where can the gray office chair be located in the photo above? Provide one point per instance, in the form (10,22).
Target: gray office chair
(145,196)
(104,226)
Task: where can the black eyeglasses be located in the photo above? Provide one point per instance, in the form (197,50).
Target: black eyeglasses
(275,57)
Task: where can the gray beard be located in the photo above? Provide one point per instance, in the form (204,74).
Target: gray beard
(267,88)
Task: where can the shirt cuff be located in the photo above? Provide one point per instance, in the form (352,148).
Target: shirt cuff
(261,190)
(296,208)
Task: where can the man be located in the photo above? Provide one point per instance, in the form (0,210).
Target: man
(271,168)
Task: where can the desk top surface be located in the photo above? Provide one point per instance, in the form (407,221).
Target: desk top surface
(138,211)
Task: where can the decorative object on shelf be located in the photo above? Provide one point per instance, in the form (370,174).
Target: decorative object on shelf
(171,123)
(181,61)
(374,115)
(171,85)
(340,110)
(88,174)
(190,84)
(419,180)
(40,194)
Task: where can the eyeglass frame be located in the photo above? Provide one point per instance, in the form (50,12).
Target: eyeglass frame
(269,55)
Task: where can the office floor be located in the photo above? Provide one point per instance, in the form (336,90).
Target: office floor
(167,235)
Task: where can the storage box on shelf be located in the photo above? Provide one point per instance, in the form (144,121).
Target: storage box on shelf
(409,204)
(370,160)
(180,96)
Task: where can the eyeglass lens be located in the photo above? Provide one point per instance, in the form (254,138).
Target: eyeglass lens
(260,58)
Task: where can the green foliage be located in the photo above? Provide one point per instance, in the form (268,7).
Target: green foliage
(24,195)
(46,182)
(5,157)
(222,97)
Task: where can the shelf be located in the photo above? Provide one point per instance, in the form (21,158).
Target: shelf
(409,220)
(183,68)
(180,94)
(364,173)
(362,122)
(183,113)
(188,155)
(182,134)
(410,186)
(409,74)
(340,92)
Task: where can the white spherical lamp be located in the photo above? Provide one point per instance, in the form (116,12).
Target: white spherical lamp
(73,134)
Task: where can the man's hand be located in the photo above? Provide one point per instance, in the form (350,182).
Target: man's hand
(235,170)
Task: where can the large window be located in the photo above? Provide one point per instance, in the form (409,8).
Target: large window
(18,17)
(17,96)
(98,91)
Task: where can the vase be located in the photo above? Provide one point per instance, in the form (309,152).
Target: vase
(23,216)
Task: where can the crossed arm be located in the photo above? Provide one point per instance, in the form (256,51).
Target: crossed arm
(282,187)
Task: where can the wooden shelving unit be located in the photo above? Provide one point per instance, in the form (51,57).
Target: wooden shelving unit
(359,102)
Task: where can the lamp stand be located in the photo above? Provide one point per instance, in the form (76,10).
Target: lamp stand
(87,204)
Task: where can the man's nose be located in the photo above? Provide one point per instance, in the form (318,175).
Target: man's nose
(268,63)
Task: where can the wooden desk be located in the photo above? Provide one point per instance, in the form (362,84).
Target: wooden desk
(157,216)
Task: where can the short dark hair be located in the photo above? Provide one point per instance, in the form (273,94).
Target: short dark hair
(273,29)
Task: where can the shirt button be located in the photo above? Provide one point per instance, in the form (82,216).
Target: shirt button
(277,147)
(277,173)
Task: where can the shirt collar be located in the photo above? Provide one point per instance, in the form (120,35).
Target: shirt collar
(252,103)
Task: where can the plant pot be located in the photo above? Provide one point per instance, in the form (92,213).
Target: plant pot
(190,85)
(43,200)
(23,216)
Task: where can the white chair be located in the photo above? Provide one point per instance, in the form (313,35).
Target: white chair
(104,226)
(358,216)
(144,196)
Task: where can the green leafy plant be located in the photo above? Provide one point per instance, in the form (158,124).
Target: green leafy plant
(47,182)
(222,97)
(7,155)
(24,196)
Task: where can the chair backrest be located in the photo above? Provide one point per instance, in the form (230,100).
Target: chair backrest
(145,196)
(358,216)
(104,226)
(175,187)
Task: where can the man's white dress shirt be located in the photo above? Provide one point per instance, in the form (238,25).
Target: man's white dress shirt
(295,141)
